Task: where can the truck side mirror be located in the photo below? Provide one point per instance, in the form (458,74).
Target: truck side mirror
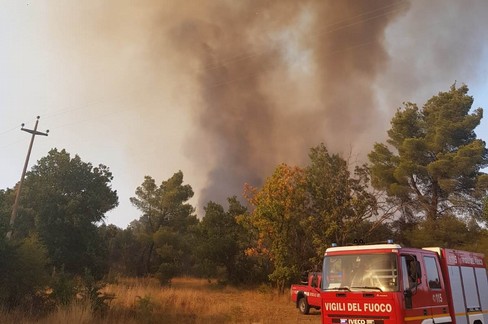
(315,280)
(304,278)
(418,273)
(415,274)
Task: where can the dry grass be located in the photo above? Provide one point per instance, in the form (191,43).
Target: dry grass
(188,300)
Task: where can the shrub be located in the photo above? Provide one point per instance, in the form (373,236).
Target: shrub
(91,291)
(63,288)
(23,272)
(165,273)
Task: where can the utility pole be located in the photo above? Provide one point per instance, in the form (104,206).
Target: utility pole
(34,132)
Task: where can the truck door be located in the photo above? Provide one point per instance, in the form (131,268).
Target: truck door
(424,293)
(414,290)
(314,293)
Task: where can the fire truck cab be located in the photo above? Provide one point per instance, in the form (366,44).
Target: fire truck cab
(388,283)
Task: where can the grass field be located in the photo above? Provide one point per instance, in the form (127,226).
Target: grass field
(188,300)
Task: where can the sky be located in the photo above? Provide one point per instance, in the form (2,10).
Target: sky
(223,90)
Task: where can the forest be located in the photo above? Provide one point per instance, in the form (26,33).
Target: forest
(424,186)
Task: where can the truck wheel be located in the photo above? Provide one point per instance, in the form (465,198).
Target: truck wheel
(303,305)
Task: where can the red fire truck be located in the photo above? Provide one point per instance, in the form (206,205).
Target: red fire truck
(307,295)
(388,283)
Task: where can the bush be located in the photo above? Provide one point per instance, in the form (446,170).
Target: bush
(63,288)
(91,291)
(23,272)
(165,273)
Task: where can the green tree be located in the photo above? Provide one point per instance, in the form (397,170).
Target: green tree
(340,204)
(223,240)
(431,164)
(166,226)
(123,250)
(6,203)
(62,201)
(447,231)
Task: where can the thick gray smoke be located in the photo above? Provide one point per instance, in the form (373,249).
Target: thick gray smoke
(278,77)
(260,82)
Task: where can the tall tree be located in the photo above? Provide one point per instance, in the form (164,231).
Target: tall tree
(339,202)
(278,212)
(123,250)
(166,204)
(432,161)
(63,200)
(222,239)
(166,224)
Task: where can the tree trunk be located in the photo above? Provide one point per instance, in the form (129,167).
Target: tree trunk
(149,256)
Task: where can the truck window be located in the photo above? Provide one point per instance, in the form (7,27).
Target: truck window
(360,272)
(432,273)
(409,271)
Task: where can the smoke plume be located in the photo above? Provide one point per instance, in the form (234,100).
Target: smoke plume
(246,85)
(278,77)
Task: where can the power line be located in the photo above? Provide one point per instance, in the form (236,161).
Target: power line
(8,130)
(342,23)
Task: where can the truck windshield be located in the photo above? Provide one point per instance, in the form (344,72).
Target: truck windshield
(353,272)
